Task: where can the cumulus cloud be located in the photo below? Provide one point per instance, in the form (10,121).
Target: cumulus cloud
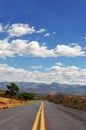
(5,49)
(68,75)
(8,73)
(23,48)
(64,75)
(20,29)
(33,49)
(65,50)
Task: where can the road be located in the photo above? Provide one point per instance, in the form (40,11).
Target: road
(19,118)
(56,117)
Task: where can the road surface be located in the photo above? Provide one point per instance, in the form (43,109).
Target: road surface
(19,118)
(56,117)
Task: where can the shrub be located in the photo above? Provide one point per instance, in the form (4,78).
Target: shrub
(75,101)
(26,96)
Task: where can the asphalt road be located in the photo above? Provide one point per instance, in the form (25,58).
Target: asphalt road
(56,117)
(19,118)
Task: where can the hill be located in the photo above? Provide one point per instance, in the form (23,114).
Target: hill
(42,88)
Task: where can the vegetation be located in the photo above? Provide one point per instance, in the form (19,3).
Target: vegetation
(26,96)
(12,90)
(2,93)
(78,102)
(13,97)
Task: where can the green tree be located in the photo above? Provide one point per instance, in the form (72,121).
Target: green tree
(12,90)
(26,96)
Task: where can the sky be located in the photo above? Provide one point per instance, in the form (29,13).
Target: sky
(43,41)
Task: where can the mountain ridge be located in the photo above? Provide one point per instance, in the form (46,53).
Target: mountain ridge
(48,88)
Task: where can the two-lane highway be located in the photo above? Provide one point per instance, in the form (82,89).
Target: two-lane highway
(55,117)
(19,118)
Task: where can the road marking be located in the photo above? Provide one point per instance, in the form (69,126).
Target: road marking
(35,125)
(42,126)
(40,115)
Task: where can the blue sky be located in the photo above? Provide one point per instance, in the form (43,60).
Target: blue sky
(45,40)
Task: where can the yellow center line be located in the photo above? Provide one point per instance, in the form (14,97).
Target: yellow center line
(42,122)
(35,125)
(42,126)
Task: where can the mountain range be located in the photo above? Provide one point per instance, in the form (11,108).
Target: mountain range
(42,88)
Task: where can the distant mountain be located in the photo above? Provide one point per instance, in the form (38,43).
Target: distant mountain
(42,88)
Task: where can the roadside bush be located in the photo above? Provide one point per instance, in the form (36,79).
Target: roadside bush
(26,96)
(2,93)
(75,101)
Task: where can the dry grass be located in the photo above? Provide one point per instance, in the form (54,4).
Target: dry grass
(8,103)
(78,102)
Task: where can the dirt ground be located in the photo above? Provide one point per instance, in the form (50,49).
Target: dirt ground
(8,103)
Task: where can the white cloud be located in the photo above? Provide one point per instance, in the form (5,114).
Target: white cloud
(12,74)
(33,49)
(68,75)
(41,30)
(85,37)
(54,33)
(5,49)
(20,29)
(38,51)
(1,28)
(23,48)
(59,64)
(65,50)
(73,44)
(47,35)
(64,69)
(64,75)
